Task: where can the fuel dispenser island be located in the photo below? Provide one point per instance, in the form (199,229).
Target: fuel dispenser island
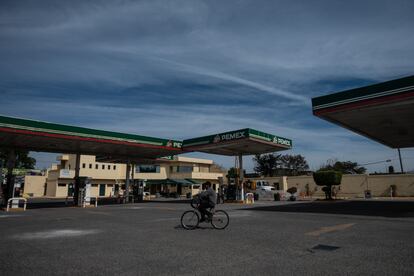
(85,192)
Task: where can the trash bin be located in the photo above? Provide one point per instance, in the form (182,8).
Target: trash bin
(277,196)
(189,195)
(368,194)
(256,197)
(139,198)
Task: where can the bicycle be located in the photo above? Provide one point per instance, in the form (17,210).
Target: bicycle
(190,219)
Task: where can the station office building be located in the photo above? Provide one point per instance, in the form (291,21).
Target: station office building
(180,175)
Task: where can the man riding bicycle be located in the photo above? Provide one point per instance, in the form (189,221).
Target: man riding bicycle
(208,199)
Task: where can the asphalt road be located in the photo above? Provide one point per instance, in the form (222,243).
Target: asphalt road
(268,239)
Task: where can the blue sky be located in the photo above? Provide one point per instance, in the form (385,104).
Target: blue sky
(181,69)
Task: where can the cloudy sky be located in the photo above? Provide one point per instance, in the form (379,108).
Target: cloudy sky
(181,69)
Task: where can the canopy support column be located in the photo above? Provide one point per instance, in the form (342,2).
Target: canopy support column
(401,164)
(241,175)
(8,191)
(127,180)
(77,180)
(133,180)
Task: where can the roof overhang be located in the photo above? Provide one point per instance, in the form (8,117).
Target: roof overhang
(244,141)
(383,112)
(49,137)
(134,159)
(170,181)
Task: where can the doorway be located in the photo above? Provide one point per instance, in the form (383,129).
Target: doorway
(71,189)
(101,189)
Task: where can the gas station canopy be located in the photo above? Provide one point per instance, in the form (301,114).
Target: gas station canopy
(239,142)
(117,147)
(383,112)
(49,137)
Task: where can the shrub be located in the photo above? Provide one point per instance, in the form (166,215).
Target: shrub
(292,190)
(393,190)
(327,179)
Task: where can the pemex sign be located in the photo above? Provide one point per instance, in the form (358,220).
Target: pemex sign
(230,136)
(239,135)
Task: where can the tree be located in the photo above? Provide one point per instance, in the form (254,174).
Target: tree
(294,163)
(277,164)
(217,168)
(327,179)
(232,174)
(266,164)
(23,160)
(346,167)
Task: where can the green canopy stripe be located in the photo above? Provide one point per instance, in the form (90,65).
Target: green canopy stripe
(378,90)
(38,126)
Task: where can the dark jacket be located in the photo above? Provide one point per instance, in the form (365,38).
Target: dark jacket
(209,195)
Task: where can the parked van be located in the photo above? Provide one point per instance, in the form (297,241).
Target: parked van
(261,185)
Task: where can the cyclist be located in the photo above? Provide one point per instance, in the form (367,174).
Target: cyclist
(208,199)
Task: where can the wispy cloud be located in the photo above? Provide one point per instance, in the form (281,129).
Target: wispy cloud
(186,68)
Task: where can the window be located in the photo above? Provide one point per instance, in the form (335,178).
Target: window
(83,165)
(96,166)
(114,167)
(94,185)
(184,169)
(148,169)
(109,167)
(61,185)
(90,166)
(103,167)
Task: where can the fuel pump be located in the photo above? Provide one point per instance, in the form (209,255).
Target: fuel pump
(84,191)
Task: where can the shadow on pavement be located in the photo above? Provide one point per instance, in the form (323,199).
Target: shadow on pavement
(178,201)
(392,209)
(38,203)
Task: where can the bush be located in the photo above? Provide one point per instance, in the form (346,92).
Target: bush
(393,190)
(327,179)
(292,190)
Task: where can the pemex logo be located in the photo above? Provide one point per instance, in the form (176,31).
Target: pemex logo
(216,139)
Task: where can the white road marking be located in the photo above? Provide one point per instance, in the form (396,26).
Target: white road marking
(329,229)
(10,216)
(52,234)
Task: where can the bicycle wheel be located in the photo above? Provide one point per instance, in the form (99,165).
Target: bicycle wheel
(190,220)
(220,219)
